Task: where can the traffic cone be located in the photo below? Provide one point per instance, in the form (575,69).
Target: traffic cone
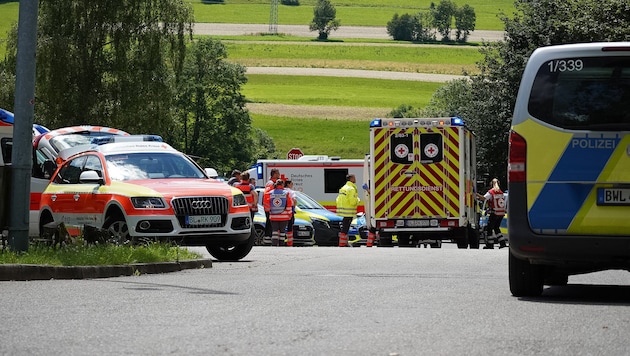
(343,240)
(290,238)
(370,239)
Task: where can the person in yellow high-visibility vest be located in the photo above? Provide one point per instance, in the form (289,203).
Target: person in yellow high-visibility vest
(347,202)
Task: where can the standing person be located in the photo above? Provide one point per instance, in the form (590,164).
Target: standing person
(250,193)
(496,210)
(279,212)
(274,174)
(288,186)
(236,177)
(347,202)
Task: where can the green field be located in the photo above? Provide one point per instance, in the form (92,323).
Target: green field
(346,139)
(350,13)
(415,58)
(337,91)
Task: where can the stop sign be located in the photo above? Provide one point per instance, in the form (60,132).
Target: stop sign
(295,153)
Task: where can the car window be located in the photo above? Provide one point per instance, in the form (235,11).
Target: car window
(7,149)
(134,166)
(61,142)
(93,163)
(70,171)
(583,93)
(306,202)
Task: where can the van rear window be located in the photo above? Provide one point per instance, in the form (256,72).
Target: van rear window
(590,93)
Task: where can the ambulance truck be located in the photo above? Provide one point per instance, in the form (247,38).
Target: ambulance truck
(319,177)
(420,177)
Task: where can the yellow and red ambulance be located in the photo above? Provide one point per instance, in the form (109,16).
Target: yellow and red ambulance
(421,176)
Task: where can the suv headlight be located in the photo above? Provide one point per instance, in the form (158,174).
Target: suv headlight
(148,203)
(238,200)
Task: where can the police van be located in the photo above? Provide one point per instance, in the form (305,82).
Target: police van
(569,166)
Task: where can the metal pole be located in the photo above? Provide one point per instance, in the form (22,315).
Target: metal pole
(23,126)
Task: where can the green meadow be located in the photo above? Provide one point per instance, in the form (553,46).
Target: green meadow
(339,137)
(337,91)
(349,12)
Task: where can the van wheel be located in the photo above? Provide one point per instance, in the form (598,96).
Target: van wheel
(473,237)
(229,252)
(526,279)
(385,240)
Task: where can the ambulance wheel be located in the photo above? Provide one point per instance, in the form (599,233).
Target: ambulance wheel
(117,229)
(473,238)
(229,252)
(385,241)
(44,219)
(526,279)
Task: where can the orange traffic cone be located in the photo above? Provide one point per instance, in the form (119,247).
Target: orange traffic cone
(370,239)
(343,240)
(290,238)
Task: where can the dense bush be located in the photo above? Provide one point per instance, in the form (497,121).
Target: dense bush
(290,2)
(439,19)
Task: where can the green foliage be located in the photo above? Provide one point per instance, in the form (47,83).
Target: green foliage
(106,64)
(465,19)
(443,17)
(90,255)
(406,28)
(215,124)
(534,24)
(290,2)
(324,19)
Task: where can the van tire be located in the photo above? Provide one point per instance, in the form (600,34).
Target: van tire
(526,279)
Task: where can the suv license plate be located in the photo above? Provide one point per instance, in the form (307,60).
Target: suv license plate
(203,219)
(613,196)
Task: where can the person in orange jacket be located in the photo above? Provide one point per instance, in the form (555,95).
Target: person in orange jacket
(249,191)
(269,186)
(280,212)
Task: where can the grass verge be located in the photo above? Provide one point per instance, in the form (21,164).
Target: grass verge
(93,255)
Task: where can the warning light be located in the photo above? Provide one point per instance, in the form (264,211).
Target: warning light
(456,121)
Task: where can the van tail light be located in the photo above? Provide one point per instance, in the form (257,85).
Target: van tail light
(517,156)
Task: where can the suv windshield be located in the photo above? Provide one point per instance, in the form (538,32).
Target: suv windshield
(132,166)
(306,202)
(590,93)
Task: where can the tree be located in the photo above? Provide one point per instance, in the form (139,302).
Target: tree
(215,124)
(324,19)
(465,19)
(401,28)
(443,17)
(110,64)
(534,24)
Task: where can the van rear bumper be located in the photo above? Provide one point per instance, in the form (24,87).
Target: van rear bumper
(573,252)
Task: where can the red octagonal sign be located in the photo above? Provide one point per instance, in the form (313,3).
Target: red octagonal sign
(295,153)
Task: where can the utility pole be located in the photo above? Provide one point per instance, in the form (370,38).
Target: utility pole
(21,157)
(273,18)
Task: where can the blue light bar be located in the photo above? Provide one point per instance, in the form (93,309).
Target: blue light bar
(376,123)
(456,121)
(6,117)
(101,140)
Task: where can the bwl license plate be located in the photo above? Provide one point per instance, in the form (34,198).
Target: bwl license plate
(304,233)
(417,223)
(613,196)
(203,219)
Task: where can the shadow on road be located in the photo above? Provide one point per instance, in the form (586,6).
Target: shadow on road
(585,294)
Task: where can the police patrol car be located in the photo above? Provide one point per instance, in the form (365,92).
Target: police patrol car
(569,166)
(139,189)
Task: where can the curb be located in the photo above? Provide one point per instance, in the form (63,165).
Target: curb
(22,272)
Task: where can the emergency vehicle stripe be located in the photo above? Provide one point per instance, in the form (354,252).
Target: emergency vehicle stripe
(395,184)
(560,200)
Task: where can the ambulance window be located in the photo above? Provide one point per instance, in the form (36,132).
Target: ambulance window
(70,172)
(590,93)
(334,179)
(7,149)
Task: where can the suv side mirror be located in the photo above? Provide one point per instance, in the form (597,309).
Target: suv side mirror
(91,177)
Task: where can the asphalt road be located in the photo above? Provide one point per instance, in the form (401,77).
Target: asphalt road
(320,301)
